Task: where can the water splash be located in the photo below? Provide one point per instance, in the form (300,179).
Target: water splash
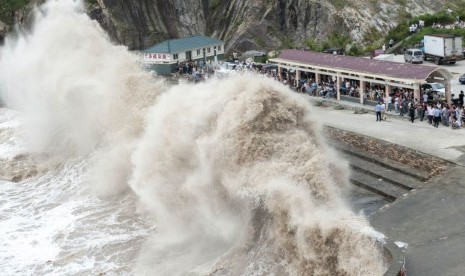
(237,177)
(76,87)
(77,91)
(232,170)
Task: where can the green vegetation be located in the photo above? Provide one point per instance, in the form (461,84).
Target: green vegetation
(91,2)
(360,111)
(8,9)
(260,42)
(214,4)
(340,4)
(313,45)
(288,43)
(355,50)
(338,107)
(402,30)
(373,36)
(334,40)
(318,103)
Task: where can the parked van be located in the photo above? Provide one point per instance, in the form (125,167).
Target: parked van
(413,56)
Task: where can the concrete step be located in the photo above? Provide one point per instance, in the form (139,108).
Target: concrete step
(400,179)
(394,167)
(377,185)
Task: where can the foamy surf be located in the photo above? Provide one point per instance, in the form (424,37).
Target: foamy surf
(231,172)
(237,175)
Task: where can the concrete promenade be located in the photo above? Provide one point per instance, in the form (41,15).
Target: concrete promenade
(442,142)
(430,220)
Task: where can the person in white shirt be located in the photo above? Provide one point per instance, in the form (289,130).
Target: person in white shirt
(430,114)
(389,103)
(425,97)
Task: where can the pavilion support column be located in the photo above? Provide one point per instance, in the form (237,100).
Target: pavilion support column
(362,90)
(448,92)
(280,73)
(338,87)
(416,92)
(387,90)
(317,78)
(297,78)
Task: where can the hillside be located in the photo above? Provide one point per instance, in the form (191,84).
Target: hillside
(243,24)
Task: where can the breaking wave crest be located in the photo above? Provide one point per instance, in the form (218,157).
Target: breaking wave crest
(236,175)
(233,171)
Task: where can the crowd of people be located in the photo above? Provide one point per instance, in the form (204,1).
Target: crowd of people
(197,71)
(428,108)
(435,112)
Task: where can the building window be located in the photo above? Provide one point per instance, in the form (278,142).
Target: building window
(208,50)
(175,56)
(198,52)
(219,48)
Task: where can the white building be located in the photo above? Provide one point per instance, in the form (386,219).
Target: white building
(164,57)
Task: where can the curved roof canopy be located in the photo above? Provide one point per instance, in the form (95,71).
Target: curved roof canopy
(365,66)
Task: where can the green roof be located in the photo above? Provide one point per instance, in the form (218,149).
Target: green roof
(183,44)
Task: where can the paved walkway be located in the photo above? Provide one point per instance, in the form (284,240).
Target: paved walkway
(430,220)
(442,142)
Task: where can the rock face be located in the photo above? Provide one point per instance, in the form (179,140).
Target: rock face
(253,24)
(140,24)
(249,24)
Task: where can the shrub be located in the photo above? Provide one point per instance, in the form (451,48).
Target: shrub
(8,8)
(360,111)
(338,107)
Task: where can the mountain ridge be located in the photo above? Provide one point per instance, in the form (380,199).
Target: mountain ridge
(243,24)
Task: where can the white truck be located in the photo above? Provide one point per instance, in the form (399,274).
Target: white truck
(442,48)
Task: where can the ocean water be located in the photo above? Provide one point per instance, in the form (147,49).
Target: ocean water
(108,169)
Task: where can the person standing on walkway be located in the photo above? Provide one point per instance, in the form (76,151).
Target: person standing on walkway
(396,104)
(378,109)
(425,97)
(389,103)
(457,116)
(462,116)
(405,106)
(401,107)
(445,115)
(421,111)
(437,116)
(461,98)
(412,111)
(430,114)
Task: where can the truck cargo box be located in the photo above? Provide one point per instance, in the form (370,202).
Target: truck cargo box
(443,47)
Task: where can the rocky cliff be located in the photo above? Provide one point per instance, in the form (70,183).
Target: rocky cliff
(249,24)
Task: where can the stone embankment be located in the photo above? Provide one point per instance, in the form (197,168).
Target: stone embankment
(429,164)
(390,170)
